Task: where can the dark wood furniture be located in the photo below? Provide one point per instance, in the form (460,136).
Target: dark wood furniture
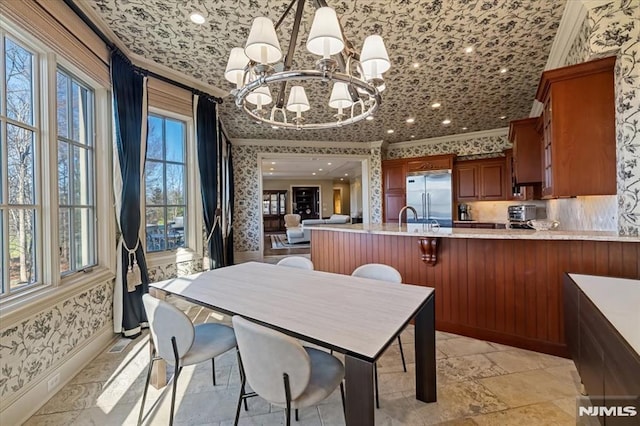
(503,290)
(274,203)
(358,317)
(515,191)
(608,365)
(306,202)
(527,155)
(394,180)
(578,130)
(478,180)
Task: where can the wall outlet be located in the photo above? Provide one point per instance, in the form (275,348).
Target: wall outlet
(53,382)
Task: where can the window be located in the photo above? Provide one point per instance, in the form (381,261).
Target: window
(76,213)
(19,136)
(165,184)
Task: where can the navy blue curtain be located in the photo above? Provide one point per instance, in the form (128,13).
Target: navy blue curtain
(231,199)
(128,105)
(208,142)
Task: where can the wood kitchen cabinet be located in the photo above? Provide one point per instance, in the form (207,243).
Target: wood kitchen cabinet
(394,174)
(578,130)
(527,155)
(481,180)
(517,192)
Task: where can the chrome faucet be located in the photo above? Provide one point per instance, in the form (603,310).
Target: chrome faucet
(415,214)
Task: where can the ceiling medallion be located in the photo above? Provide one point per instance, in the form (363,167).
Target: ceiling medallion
(357,78)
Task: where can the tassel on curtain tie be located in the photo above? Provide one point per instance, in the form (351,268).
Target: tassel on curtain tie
(134,278)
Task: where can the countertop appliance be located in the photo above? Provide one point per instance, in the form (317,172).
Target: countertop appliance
(430,193)
(464,212)
(520,215)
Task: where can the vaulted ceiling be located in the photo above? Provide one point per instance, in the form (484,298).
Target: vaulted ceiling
(426,41)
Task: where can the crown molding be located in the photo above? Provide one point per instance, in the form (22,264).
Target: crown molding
(301,144)
(379,144)
(575,12)
(145,63)
(503,131)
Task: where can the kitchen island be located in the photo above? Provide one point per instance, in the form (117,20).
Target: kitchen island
(500,285)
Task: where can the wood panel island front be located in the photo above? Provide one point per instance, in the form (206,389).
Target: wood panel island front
(499,285)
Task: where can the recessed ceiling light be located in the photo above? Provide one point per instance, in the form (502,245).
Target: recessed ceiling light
(468,49)
(270,173)
(319,170)
(273,162)
(446,121)
(369,118)
(503,70)
(390,131)
(435,105)
(464,128)
(346,174)
(197,18)
(275,127)
(341,178)
(502,117)
(314,173)
(328,164)
(271,168)
(416,65)
(411,120)
(413,136)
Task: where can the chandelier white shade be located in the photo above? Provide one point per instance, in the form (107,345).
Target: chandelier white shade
(325,36)
(298,101)
(262,45)
(374,57)
(261,70)
(340,97)
(260,96)
(236,65)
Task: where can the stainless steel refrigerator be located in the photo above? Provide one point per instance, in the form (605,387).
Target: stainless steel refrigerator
(431,194)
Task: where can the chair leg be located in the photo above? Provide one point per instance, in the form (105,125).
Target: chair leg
(146,387)
(240,398)
(344,410)
(176,374)
(375,382)
(287,394)
(213,370)
(404,365)
(242,377)
(297,415)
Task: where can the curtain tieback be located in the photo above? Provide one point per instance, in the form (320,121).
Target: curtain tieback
(216,222)
(134,278)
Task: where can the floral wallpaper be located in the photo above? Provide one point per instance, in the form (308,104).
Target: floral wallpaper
(461,147)
(614,28)
(516,34)
(34,346)
(172,270)
(247,180)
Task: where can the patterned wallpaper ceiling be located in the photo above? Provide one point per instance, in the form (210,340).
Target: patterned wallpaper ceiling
(432,34)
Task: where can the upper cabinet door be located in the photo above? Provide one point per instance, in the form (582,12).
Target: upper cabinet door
(467,182)
(493,181)
(394,175)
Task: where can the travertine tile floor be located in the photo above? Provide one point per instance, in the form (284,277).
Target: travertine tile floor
(478,383)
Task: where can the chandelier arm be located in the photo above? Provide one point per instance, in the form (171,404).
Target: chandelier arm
(288,60)
(284,15)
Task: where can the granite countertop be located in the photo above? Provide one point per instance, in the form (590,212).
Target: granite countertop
(494,234)
(618,300)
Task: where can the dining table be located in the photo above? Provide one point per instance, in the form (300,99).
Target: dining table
(358,317)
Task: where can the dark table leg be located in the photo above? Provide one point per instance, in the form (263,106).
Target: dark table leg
(425,333)
(359,398)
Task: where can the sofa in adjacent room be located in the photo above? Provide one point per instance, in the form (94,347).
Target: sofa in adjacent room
(302,234)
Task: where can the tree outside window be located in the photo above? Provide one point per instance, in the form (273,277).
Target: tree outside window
(165,184)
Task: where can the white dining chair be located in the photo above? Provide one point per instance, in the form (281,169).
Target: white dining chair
(180,343)
(296,262)
(382,272)
(282,371)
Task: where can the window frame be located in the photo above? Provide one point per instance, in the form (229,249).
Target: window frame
(52,286)
(193,235)
(89,147)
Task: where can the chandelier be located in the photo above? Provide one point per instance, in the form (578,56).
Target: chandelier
(356,78)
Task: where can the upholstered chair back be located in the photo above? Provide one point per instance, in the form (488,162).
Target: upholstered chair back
(378,271)
(296,262)
(166,321)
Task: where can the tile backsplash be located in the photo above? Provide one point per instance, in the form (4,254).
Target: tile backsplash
(596,213)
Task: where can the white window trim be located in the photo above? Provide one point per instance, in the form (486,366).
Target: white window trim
(194,249)
(51,286)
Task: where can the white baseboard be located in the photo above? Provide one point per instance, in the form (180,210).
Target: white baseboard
(31,400)
(247,256)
